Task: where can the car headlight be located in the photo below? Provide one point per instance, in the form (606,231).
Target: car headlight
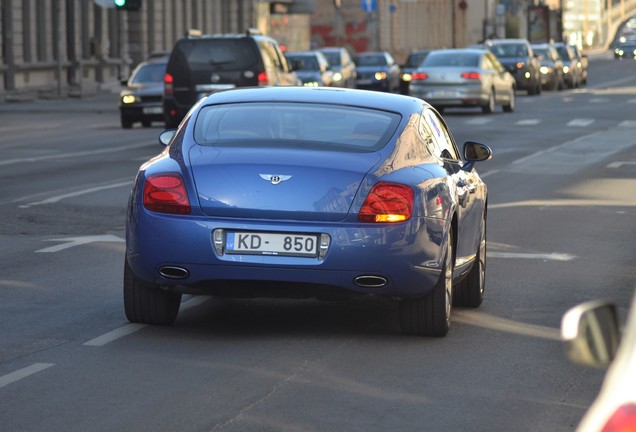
(337,76)
(380,76)
(311,84)
(545,70)
(407,77)
(527,75)
(128,99)
(566,69)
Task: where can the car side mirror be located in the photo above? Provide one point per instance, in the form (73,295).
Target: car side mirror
(591,333)
(475,152)
(166,136)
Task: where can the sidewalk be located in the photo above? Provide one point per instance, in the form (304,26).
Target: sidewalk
(102,100)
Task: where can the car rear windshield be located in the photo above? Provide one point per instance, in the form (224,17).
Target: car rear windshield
(221,54)
(452,59)
(295,125)
(509,50)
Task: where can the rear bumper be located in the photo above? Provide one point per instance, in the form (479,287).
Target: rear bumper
(455,97)
(408,256)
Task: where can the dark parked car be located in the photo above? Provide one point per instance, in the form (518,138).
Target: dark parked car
(342,66)
(571,65)
(455,78)
(517,57)
(377,71)
(200,65)
(551,67)
(307,192)
(141,99)
(312,68)
(413,61)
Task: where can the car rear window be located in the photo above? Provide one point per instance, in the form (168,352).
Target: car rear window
(452,59)
(295,125)
(222,54)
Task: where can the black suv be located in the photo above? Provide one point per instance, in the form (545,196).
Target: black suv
(517,57)
(203,64)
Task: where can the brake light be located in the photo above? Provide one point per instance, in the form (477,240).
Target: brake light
(471,75)
(168,84)
(166,193)
(419,76)
(623,420)
(387,202)
(262,79)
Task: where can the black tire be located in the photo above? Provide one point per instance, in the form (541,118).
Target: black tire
(491,106)
(126,123)
(430,315)
(148,304)
(470,291)
(512,105)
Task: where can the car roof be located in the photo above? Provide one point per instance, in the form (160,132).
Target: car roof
(338,96)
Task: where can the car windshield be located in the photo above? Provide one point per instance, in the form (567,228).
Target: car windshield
(509,50)
(563,52)
(416,59)
(452,59)
(309,63)
(295,125)
(149,73)
(333,57)
(542,51)
(371,60)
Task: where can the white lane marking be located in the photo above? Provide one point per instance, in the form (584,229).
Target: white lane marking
(488,173)
(580,122)
(132,328)
(57,198)
(627,124)
(620,164)
(115,334)
(485,320)
(478,121)
(23,373)
(528,122)
(540,256)
(74,154)
(632,101)
(599,100)
(70,242)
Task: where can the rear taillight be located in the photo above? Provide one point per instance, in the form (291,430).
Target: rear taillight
(623,420)
(419,76)
(387,202)
(166,193)
(262,79)
(168,84)
(471,75)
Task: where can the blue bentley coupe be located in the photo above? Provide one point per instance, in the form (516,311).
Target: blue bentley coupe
(309,193)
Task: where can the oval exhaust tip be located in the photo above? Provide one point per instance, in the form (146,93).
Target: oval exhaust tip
(173,272)
(370,281)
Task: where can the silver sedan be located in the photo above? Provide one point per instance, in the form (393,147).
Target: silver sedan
(455,78)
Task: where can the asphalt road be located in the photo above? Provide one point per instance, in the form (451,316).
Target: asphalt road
(560,231)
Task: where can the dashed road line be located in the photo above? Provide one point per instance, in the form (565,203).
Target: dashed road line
(23,373)
(528,122)
(538,256)
(133,327)
(580,122)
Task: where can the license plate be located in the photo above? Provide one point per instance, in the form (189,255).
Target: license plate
(265,243)
(442,94)
(153,110)
(364,81)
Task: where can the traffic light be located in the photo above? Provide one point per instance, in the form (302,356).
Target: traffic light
(130,5)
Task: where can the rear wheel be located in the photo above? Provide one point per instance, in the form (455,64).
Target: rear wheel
(430,316)
(491,106)
(147,303)
(470,291)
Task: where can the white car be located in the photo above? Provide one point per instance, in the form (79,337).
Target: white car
(591,334)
